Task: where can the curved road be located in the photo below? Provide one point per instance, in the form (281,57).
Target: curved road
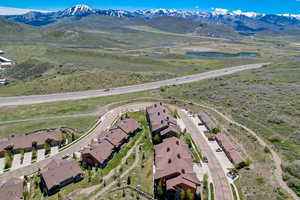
(103,124)
(24,100)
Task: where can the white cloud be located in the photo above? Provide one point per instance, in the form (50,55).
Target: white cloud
(17,11)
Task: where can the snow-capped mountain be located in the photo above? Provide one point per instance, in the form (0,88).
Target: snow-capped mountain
(164,12)
(78,10)
(290,16)
(239,21)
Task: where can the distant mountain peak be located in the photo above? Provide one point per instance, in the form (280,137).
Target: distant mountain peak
(79,10)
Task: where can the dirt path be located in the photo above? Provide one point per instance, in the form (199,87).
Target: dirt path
(137,159)
(89,190)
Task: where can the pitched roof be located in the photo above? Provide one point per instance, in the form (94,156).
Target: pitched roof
(186,179)
(172,157)
(230,149)
(57,171)
(12,189)
(206,120)
(128,125)
(116,136)
(172,128)
(100,151)
(160,117)
(26,141)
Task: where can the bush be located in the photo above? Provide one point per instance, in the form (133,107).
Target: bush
(275,118)
(29,69)
(266,150)
(156,139)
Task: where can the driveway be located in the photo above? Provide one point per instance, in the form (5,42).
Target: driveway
(2,164)
(16,161)
(40,155)
(222,186)
(54,150)
(221,156)
(27,158)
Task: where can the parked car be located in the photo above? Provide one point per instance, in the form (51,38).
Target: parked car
(219,150)
(205,159)
(231,175)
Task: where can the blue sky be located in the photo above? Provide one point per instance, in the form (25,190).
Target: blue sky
(261,6)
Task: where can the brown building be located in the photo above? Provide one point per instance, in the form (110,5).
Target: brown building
(232,153)
(129,126)
(174,166)
(28,141)
(59,173)
(12,189)
(98,154)
(161,120)
(206,120)
(101,151)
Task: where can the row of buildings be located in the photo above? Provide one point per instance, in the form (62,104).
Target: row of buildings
(61,172)
(230,150)
(173,160)
(224,142)
(29,141)
(102,149)
(207,122)
(161,121)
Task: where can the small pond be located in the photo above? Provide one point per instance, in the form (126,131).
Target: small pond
(220,55)
(165,45)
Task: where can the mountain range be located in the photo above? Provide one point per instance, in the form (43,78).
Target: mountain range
(197,22)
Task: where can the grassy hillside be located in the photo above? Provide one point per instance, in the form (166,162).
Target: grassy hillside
(44,69)
(16,31)
(265,100)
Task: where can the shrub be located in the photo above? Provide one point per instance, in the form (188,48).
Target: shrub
(29,69)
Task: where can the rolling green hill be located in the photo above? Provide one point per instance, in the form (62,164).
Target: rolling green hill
(17,31)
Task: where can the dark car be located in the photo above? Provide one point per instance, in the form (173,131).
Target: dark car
(106,90)
(205,159)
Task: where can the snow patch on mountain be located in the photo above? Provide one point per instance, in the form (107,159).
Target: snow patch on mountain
(220,11)
(248,14)
(290,15)
(79,10)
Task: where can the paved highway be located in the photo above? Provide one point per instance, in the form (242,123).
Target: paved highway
(23,100)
